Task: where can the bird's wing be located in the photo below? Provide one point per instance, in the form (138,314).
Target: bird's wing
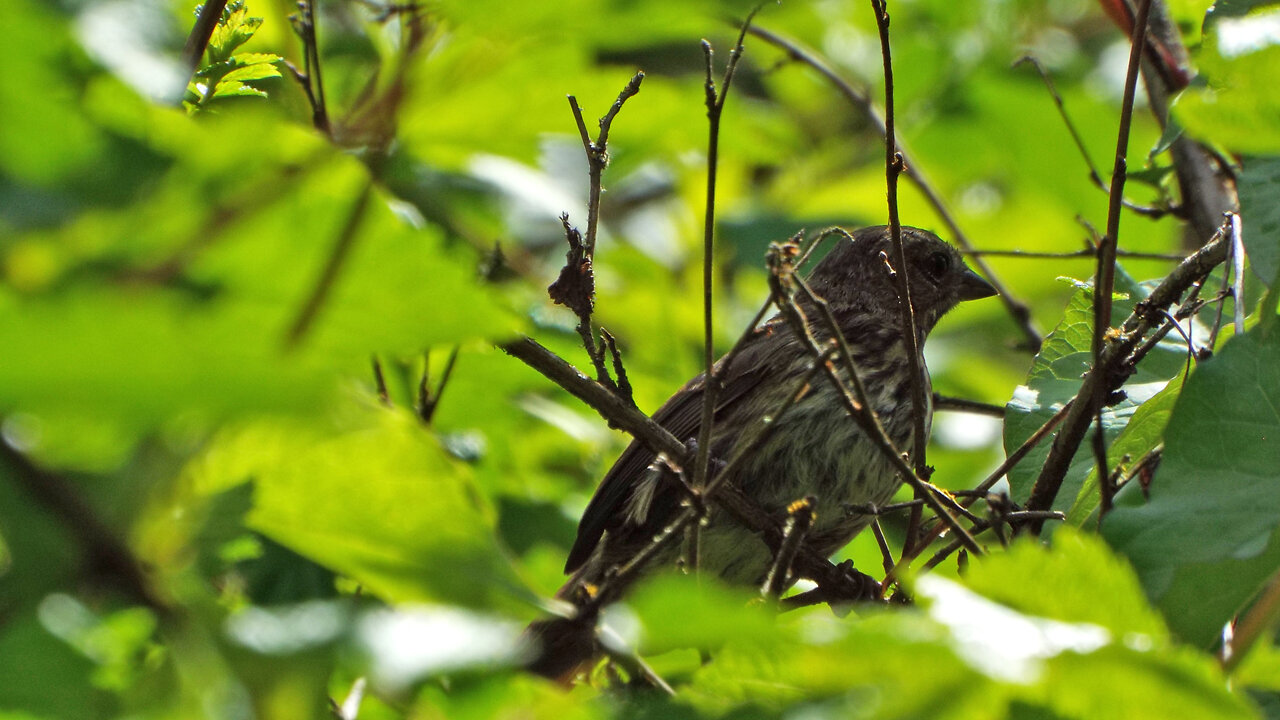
(681,416)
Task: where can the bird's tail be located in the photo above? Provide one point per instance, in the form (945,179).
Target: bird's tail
(562,647)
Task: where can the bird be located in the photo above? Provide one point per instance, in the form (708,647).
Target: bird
(816,449)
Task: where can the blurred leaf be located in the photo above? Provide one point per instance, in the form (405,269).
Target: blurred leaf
(144,358)
(886,665)
(711,614)
(1065,582)
(1121,682)
(1215,502)
(1259,185)
(52,681)
(1235,106)
(404,521)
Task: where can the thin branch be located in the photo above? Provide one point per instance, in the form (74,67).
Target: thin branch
(1027,446)
(109,559)
(975,407)
(1237,271)
(198,40)
(598,152)
(380,382)
(333,266)
(1019,311)
(575,286)
(1083,253)
(1154,213)
(1012,519)
(893,164)
(428,401)
(886,554)
(304,24)
(983,488)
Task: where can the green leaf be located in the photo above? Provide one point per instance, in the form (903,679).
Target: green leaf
(144,357)
(1234,105)
(51,681)
(249,73)
(710,614)
(377,500)
(1259,185)
(1141,435)
(1123,682)
(1215,502)
(235,89)
(885,665)
(1055,378)
(235,29)
(1064,583)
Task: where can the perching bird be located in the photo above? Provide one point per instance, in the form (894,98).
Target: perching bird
(816,449)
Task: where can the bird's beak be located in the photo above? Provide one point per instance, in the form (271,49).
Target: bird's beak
(973,287)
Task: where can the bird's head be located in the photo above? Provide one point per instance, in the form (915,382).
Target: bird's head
(858,275)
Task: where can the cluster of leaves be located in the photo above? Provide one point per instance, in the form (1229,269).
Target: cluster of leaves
(189,302)
(226,73)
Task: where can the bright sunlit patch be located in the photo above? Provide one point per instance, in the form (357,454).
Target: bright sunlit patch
(287,629)
(1241,36)
(1000,642)
(407,644)
(966,431)
(1025,398)
(129,37)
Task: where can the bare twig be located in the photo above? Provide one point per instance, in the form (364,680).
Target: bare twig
(1104,279)
(841,583)
(575,286)
(893,165)
(1027,446)
(886,554)
(598,153)
(1237,272)
(982,489)
(1083,253)
(942,402)
(1204,181)
(304,24)
(198,40)
(1012,518)
(715,109)
(1018,310)
(428,400)
(380,382)
(1152,212)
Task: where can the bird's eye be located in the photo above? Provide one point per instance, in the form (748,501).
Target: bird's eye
(937,265)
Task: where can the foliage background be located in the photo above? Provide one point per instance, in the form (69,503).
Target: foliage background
(297,536)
